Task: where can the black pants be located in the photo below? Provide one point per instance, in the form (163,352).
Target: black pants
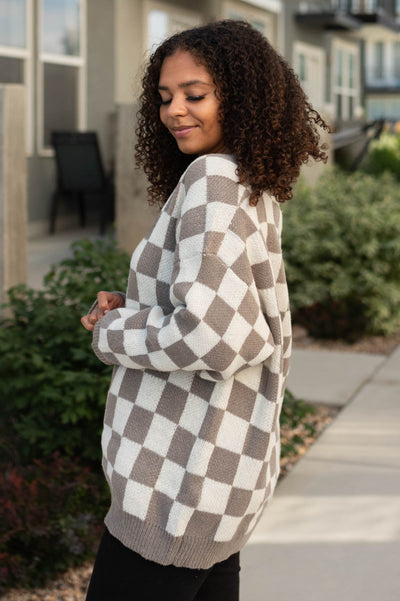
(120,574)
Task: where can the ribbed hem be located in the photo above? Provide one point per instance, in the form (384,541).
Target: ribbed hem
(155,544)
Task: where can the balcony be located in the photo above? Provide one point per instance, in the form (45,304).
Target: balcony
(347,14)
(378,12)
(364,7)
(324,15)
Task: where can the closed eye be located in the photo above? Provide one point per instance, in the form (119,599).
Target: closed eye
(195,98)
(189,98)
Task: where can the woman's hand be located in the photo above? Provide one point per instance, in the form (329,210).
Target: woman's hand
(106,301)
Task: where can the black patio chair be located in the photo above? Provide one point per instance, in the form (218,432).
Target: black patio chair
(80,175)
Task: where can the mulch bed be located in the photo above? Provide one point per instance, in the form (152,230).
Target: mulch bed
(319,420)
(72,585)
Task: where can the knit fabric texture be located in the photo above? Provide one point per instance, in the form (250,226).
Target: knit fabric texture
(201,354)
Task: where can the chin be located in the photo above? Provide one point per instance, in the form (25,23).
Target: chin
(189,150)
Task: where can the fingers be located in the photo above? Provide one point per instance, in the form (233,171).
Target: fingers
(103,301)
(106,301)
(85,321)
(95,315)
(117,302)
(90,320)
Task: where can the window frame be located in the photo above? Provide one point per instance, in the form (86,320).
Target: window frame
(192,19)
(79,62)
(272,5)
(26,55)
(344,90)
(251,14)
(313,53)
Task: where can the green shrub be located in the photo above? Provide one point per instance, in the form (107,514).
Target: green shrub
(384,155)
(51,515)
(341,242)
(52,386)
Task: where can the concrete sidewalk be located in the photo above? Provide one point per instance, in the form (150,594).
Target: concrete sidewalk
(332,531)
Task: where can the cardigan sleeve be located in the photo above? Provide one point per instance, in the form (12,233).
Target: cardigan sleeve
(216,326)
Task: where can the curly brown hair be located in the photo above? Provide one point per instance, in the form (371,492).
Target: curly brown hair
(267,121)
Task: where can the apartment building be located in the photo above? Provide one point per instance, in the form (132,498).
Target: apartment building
(80,60)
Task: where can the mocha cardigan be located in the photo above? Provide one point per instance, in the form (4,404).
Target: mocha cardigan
(201,353)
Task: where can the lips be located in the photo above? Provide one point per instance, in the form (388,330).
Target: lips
(183,130)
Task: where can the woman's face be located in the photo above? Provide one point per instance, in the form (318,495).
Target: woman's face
(189,106)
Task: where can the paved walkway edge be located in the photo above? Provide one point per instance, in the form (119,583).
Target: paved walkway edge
(332,530)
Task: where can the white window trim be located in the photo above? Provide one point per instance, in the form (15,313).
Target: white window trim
(388,78)
(26,54)
(74,61)
(57,59)
(193,18)
(12,52)
(344,89)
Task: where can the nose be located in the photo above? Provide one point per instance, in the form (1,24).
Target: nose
(177,106)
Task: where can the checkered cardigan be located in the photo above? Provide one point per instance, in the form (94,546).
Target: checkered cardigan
(201,351)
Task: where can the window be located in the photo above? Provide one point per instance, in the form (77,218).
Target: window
(383,108)
(345,86)
(344,5)
(60,27)
(309,64)
(13,23)
(379,60)
(157,28)
(163,21)
(15,51)
(61,68)
(12,69)
(261,26)
(362,6)
(260,22)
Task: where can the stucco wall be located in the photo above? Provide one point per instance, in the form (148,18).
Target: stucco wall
(128,49)
(100,71)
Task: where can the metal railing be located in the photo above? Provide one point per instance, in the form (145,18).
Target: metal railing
(349,6)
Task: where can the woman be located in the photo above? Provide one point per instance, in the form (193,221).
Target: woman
(201,343)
